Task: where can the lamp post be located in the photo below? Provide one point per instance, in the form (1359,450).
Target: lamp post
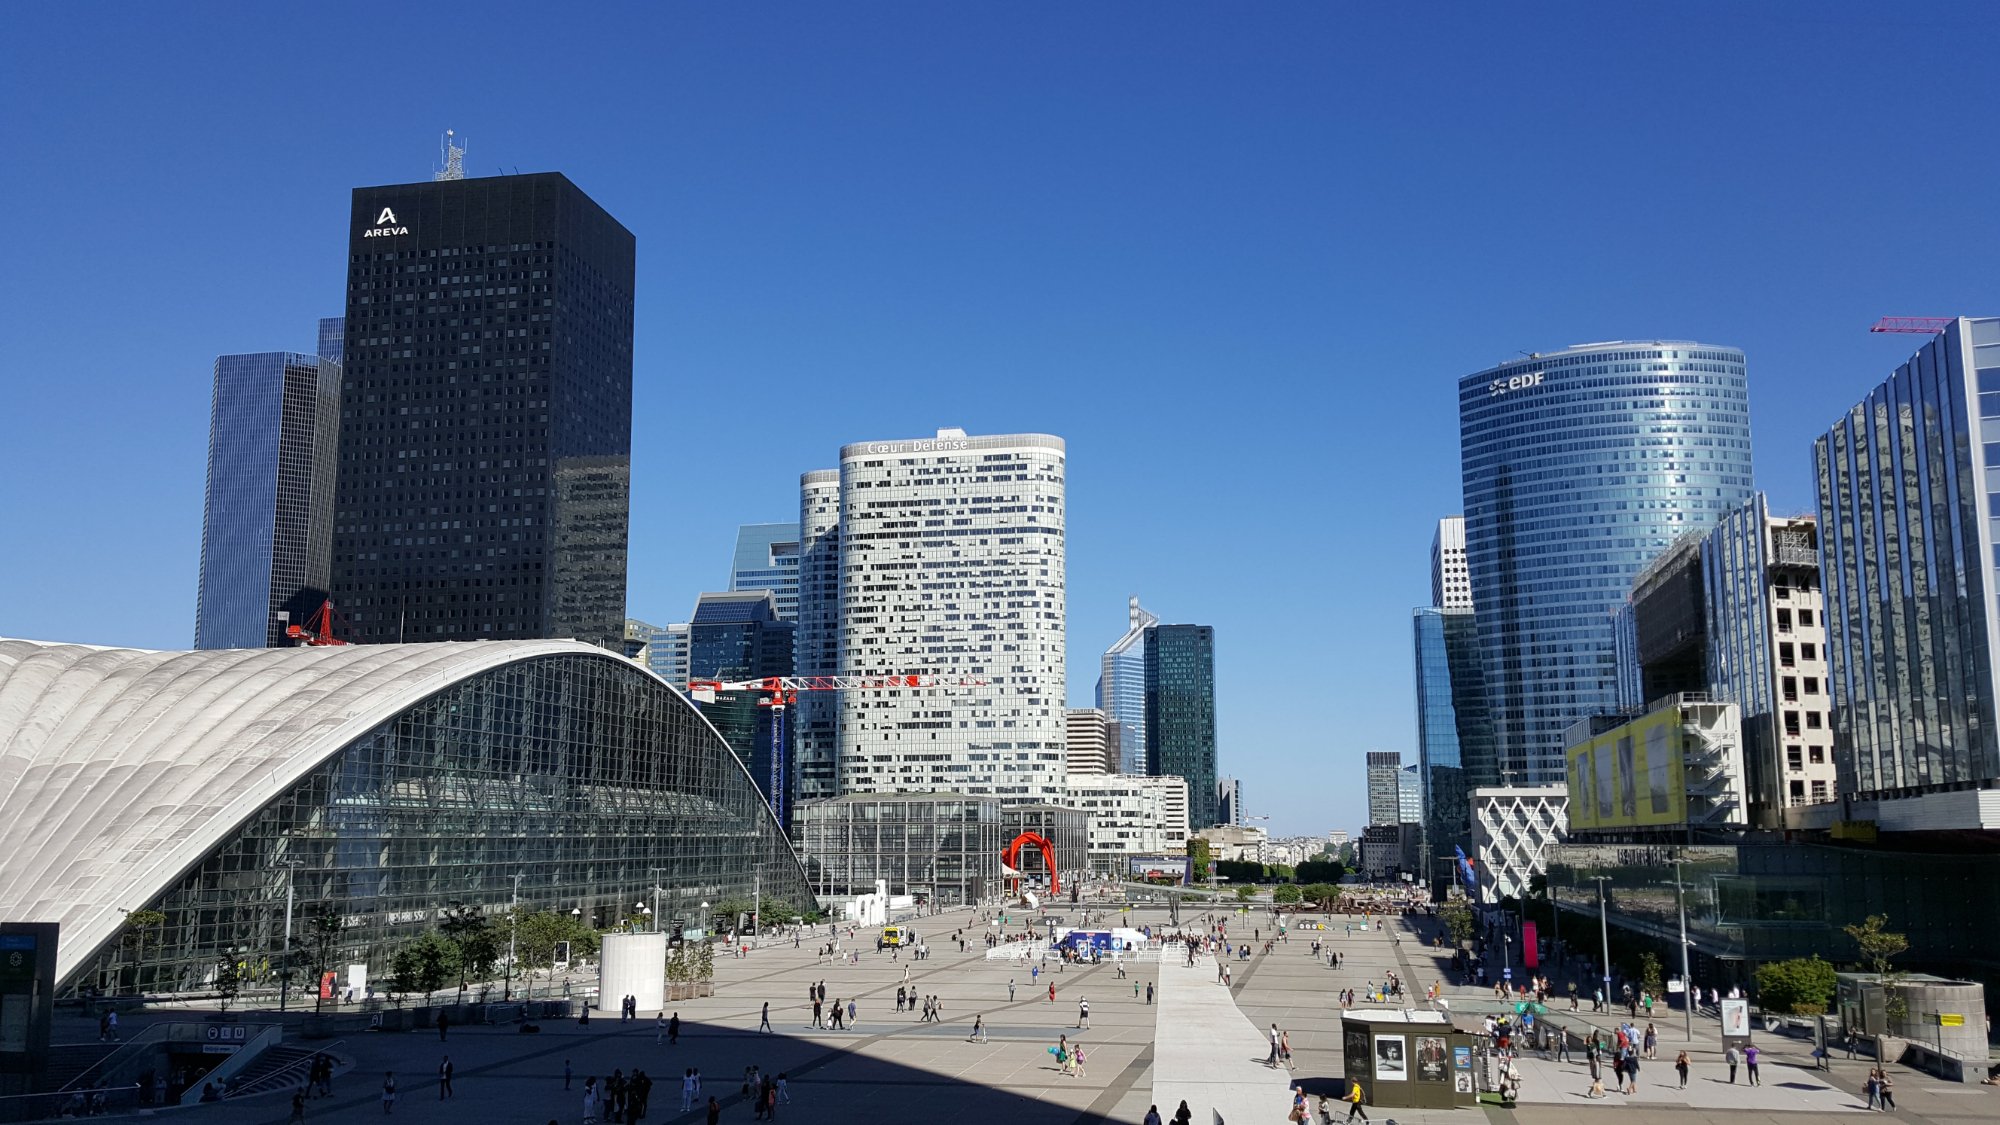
(1604,931)
(1687,978)
(704,919)
(645,913)
(285,958)
(656,898)
(513,936)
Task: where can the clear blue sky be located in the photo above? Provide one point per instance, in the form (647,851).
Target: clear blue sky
(1236,254)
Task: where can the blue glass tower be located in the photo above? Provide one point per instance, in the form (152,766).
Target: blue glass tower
(767,558)
(1579,466)
(1909,491)
(1454,738)
(1180,713)
(738,636)
(267,515)
(1121,689)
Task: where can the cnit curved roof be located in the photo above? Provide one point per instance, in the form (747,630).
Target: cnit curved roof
(122,768)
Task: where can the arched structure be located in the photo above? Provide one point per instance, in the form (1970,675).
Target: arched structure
(1011,856)
(377,783)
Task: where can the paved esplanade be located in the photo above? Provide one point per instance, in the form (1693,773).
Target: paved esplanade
(1198,1041)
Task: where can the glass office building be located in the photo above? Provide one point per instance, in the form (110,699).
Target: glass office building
(1454,739)
(940,848)
(380,784)
(1578,467)
(767,558)
(1909,496)
(267,514)
(738,636)
(1121,688)
(486,414)
(1180,713)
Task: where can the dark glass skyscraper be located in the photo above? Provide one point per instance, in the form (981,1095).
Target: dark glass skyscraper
(1454,739)
(1580,466)
(267,515)
(486,414)
(1180,713)
(739,636)
(767,558)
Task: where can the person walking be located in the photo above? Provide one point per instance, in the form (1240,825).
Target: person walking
(299,1105)
(714,1111)
(566,1074)
(1750,1054)
(1010,990)
(1886,1086)
(687,1090)
(1732,1057)
(1681,1065)
(1353,1100)
(1082,1014)
(1285,1049)
(1149,994)
(764,1022)
(1873,1088)
(389,1092)
(443,1022)
(1271,1060)
(674,1030)
(659,1028)
(444,1078)
(1632,1074)
(1652,1042)
(851,1013)
(978,1030)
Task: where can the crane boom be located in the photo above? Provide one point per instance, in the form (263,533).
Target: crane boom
(1926,325)
(785,686)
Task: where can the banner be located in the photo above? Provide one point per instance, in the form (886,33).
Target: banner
(1735,1021)
(1531,953)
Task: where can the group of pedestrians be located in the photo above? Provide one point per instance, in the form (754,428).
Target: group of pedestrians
(620,1098)
(835,1017)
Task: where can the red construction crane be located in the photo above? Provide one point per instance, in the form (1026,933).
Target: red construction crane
(779,692)
(318,629)
(1925,325)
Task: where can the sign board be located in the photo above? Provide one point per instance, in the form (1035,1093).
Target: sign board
(1951,1019)
(1677,986)
(1530,946)
(1735,1021)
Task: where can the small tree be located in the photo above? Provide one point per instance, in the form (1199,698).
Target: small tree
(425,964)
(1245,893)
(1319,871)
(1801,986)
(228,979)
(465,928)
(1322,895)
(1458,920)
(1198,857)
(1287,894)
(1650,977)
(1878,946)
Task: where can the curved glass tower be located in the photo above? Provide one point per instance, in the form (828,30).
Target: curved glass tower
(1579,466)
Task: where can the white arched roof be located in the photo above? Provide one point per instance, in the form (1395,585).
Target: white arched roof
(121,768)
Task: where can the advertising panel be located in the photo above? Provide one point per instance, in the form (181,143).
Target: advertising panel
(1631,776)
(1431,1059)
(1392,1062)
(1735,1021)
(1164,869)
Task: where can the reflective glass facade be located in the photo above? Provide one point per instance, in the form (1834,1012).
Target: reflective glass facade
(737,636)
(486,413)
(1454,739)
(1121,689)
(767,558)
(816,720)
(942,847)
(1180,713)
(267,515)
(1579,466)
(1909,496)
(580,773)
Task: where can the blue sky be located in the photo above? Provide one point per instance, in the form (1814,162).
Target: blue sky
(1237,255)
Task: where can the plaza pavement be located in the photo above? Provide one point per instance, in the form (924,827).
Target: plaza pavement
(1199,1041)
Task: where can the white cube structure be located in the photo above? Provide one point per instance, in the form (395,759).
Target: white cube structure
(632,965)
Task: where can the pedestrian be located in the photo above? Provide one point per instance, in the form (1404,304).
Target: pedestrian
(1887,1086)
(674,1030)
(444,1078)
(1271,1060)
(389,1092)
(1731,1057)
(1873,1089)
(1353,1101)
(714,1111)
(1082,1014)
(1632,1074)
(764,1023)
(1285,1049)
(1010,990)
(850,1012)
(444,1022)
(1681,1065)
(978,1030)
(1152,1116)
(1750,1054)
(299,1105)
(784,1090)
(688,1089)
(1652,1042)
(1149,994)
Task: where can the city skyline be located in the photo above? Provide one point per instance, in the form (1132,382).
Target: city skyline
(1012,277)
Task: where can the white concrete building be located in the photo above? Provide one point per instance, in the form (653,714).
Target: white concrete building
(951,563)
(1131,815)
(1229,843)
(1512,829)
(1092,742)
(1451,583)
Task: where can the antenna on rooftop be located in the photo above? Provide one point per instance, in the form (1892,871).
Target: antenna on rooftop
(454,158)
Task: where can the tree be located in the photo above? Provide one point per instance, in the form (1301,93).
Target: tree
(1319,871)
(1287,894)
(1649,973)
(1801,986)
(475,946)
(1245,893)
(1197,850)
(1322,895)
(1458,920)
(1346,856)
(138,923)
(426,964)
(228,979)
(322,936)
(1878,947)
(1238,871)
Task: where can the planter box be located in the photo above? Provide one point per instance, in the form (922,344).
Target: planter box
(688,990)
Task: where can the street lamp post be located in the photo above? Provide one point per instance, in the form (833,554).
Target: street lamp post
(1604,931)
(285,958)
(656,898)
(513,936)
(1687,978)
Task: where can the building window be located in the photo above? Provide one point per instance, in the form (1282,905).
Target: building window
(1794,758)
(1788,687)
(1798,790)
(1785,658)
(1808,651)
(1817,755)
(1812,720)
(1784,620)
(1819,791)
(1805,616)
(1792,723)
(1812,685)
